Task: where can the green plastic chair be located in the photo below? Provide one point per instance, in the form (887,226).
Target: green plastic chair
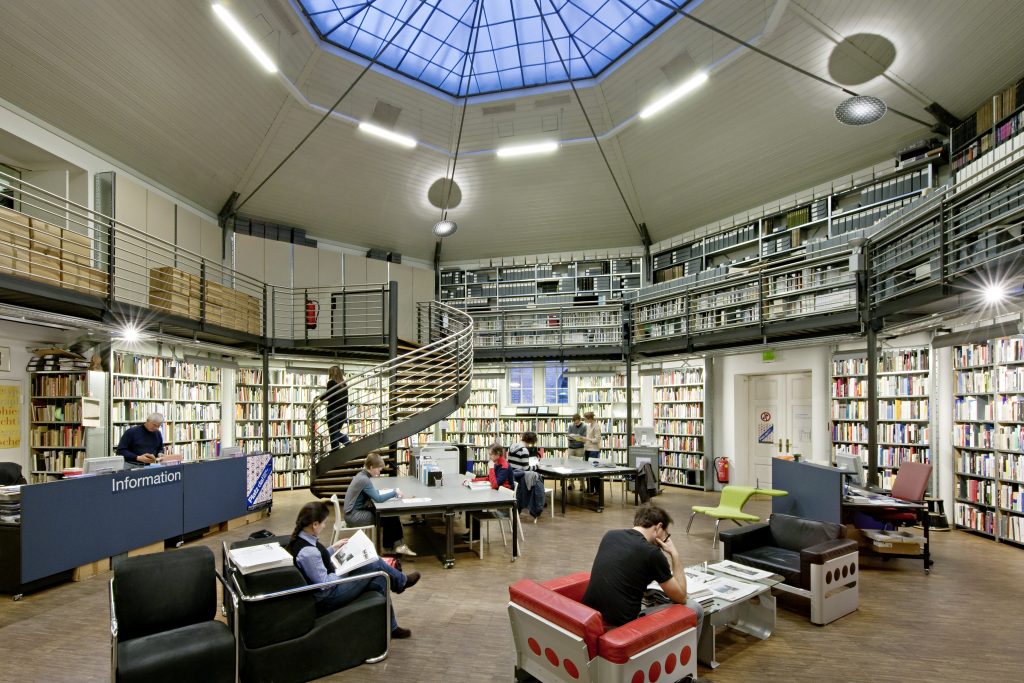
(730,506)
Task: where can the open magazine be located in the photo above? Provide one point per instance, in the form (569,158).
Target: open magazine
(357,552)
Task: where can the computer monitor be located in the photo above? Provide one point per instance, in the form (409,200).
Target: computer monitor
(644,436)
(852,467)
(112,463)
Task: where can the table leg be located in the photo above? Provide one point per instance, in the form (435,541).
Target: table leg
(600,494)
(706,645)
(927,541)
(513,515)
(449,539)
(564,481)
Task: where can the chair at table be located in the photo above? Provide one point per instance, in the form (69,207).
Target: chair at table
(162,626)
(730,506)
(559,639)
(485,517)
(910,485)
(343,530)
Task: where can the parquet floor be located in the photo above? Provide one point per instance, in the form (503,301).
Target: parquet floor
(964,622)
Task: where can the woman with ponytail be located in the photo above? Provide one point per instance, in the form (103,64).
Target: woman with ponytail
(314,562)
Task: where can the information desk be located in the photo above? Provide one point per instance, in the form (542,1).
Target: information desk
(420,499)
(72,522)
(564,469)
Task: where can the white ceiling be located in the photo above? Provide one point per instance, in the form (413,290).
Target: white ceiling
(162,88)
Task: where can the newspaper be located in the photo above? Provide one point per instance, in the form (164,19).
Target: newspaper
(358,551)
(740,570)
(257,558)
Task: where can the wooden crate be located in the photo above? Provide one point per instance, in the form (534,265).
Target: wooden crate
(174,291)
(14,217)
(83,279)
(46,238)
(15,233)
(76,248)
(44,267)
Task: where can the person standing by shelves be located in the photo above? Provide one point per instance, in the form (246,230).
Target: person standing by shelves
(359,500)
(337,406)
(592,448)
(142,444)
(576,433)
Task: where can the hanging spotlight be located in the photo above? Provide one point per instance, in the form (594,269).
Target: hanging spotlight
(445,228)
(994,293)
(860,110)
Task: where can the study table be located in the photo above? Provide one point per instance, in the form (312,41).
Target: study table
(864,500)
(564,469)
(420,499)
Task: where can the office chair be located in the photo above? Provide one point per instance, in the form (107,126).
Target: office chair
(910,485)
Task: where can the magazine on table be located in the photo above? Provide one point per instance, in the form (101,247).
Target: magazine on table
(728,589)
(740,570)
(357,552)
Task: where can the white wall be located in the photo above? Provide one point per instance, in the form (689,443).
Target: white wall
(729,401)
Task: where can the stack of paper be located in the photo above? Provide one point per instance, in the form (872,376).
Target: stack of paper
(740,570)
(257,558)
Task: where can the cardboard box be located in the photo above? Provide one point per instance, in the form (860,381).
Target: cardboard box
(14,217)
(46,238)
(895,542)
(14,233)
(44,267)
(96,281)
(76,248)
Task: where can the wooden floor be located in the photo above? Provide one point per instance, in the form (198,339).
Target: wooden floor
(964,622)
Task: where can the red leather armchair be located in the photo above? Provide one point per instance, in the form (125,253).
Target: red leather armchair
(558,638)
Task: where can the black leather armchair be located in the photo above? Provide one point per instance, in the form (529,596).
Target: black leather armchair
(814,558)
(281,637)
(162,627)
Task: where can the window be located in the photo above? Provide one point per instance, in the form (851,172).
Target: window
(520,386)
(556,385)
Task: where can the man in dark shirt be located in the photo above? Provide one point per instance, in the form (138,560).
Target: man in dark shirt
(142,444)
(628,560)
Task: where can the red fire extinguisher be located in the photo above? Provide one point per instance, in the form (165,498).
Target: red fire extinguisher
(312,312)
(722,470)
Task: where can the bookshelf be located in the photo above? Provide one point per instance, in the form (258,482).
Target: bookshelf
(998,119)
(904,417)
(1009,438)
(507,286)
(289,395)
(549,327)
(249,401)
(605,396)
(679,412)
(57,438)
(476,423)
(186,394)
(974,428)
(795,231)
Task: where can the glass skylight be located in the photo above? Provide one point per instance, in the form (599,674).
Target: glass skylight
(511,45)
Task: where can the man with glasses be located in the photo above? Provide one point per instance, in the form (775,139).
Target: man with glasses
(628,560)
(142,444)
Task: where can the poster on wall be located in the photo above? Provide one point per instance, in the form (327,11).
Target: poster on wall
(259,488)
(10,415)
(765,427)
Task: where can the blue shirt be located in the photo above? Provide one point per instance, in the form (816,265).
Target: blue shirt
(311,562)
(138,441)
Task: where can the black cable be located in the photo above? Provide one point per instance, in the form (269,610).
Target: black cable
(779,60)
(327,113)
(465,103)
(579,101)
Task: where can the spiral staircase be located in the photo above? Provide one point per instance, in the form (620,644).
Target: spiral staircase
(395,399)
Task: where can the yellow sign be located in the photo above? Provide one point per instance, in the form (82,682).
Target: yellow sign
(10,416)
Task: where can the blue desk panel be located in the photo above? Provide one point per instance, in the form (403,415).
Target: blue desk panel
(815,491)
(72,522)
(214,491)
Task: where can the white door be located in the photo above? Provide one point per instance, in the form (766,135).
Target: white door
(779,413)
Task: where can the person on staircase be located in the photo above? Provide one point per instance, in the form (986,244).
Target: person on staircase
(337,406)
(359,500)
(314,563)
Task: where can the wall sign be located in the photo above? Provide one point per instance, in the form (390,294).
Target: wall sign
(765,428)
(10,415)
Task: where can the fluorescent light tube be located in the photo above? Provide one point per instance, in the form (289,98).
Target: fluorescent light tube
(687,86)
(403,140)
(243,36)
(523,150)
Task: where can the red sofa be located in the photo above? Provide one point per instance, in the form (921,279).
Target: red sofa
(558,638)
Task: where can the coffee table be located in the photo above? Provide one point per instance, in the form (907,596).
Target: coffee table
(753,615)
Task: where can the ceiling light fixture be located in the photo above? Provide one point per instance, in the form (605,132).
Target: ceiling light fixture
(994,293)
(445,228)
(524,150)
(243,36)
(129,334)
(389,135)
(684,88)
(860,110)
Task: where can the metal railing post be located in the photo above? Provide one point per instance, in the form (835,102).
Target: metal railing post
(392,318)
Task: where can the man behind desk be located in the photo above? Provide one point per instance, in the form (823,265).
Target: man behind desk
(628,560)
(142,444)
